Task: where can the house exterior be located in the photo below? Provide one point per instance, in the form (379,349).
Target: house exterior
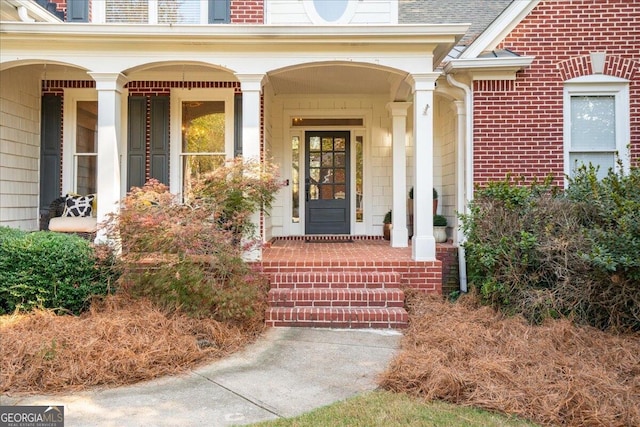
(357,103)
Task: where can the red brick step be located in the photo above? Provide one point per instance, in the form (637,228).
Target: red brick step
(368,280)
(332,317)
(334,297)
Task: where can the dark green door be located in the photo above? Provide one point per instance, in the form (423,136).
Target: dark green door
(327,182)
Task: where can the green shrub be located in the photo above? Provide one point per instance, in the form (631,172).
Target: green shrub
(232,294)
(609,212)
(48,270)
(200,243)
(534,250)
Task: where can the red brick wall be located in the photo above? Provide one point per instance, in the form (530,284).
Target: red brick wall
(518,125)
(247,11)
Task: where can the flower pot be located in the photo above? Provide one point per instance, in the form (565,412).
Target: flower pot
(440,234)
(386,231)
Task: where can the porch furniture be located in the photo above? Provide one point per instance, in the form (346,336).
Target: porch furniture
(65,216)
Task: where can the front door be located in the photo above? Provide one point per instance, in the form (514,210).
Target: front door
(327,198)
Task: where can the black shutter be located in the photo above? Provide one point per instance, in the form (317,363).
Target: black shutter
(237,125)
(50,151)
(136,141)
(219,11)
(77,10)
(160,138)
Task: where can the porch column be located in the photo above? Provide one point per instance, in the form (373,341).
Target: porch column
(399,232)
(251,85)
(109,87)
(423,243)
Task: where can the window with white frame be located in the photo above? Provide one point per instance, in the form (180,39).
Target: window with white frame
(80,153)
(163,11)
(205,118)
(596,123)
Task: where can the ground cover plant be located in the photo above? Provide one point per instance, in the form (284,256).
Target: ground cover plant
(547,253)
(557,373)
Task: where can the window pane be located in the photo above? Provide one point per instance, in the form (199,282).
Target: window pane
(604,160)
(330,10)
(194,166)
(359,180)
(86,126)
(203,127)
(127,11)
(86,169)
(593,123)
(179,11)
(295,178)
(86,172)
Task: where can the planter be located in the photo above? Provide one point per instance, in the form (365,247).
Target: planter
(410,214)
(440,234)
(386,231)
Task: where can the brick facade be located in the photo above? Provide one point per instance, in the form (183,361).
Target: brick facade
(518,125)
(247,11)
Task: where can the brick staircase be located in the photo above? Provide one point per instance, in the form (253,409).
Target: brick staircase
(354,284)
(335,298)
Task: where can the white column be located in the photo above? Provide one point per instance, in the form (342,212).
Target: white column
(423,242)
(399,232)
(109,87)
(251,85)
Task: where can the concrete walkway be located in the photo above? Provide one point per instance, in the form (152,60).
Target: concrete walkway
(287,372)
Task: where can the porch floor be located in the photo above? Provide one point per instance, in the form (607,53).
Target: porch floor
(359,252)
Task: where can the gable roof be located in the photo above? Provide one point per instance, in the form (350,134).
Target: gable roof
(481,13)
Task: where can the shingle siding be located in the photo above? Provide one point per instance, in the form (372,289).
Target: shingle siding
(19,148)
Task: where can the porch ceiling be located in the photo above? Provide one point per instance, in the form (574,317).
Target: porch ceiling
(335,79)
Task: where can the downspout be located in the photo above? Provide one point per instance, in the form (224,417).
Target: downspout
(465,176)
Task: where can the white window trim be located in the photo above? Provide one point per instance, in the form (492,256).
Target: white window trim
(71,99)
(177,97)
(599,85)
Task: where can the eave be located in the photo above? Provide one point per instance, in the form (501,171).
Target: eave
(438,39)
(490,68)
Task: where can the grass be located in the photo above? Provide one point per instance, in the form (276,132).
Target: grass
(384,408)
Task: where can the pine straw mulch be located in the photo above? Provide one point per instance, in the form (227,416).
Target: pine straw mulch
(119,341)
(554,374)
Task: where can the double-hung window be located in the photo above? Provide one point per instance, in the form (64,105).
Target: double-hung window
(163,11)
(80,149)
(596,123)
(205,140)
